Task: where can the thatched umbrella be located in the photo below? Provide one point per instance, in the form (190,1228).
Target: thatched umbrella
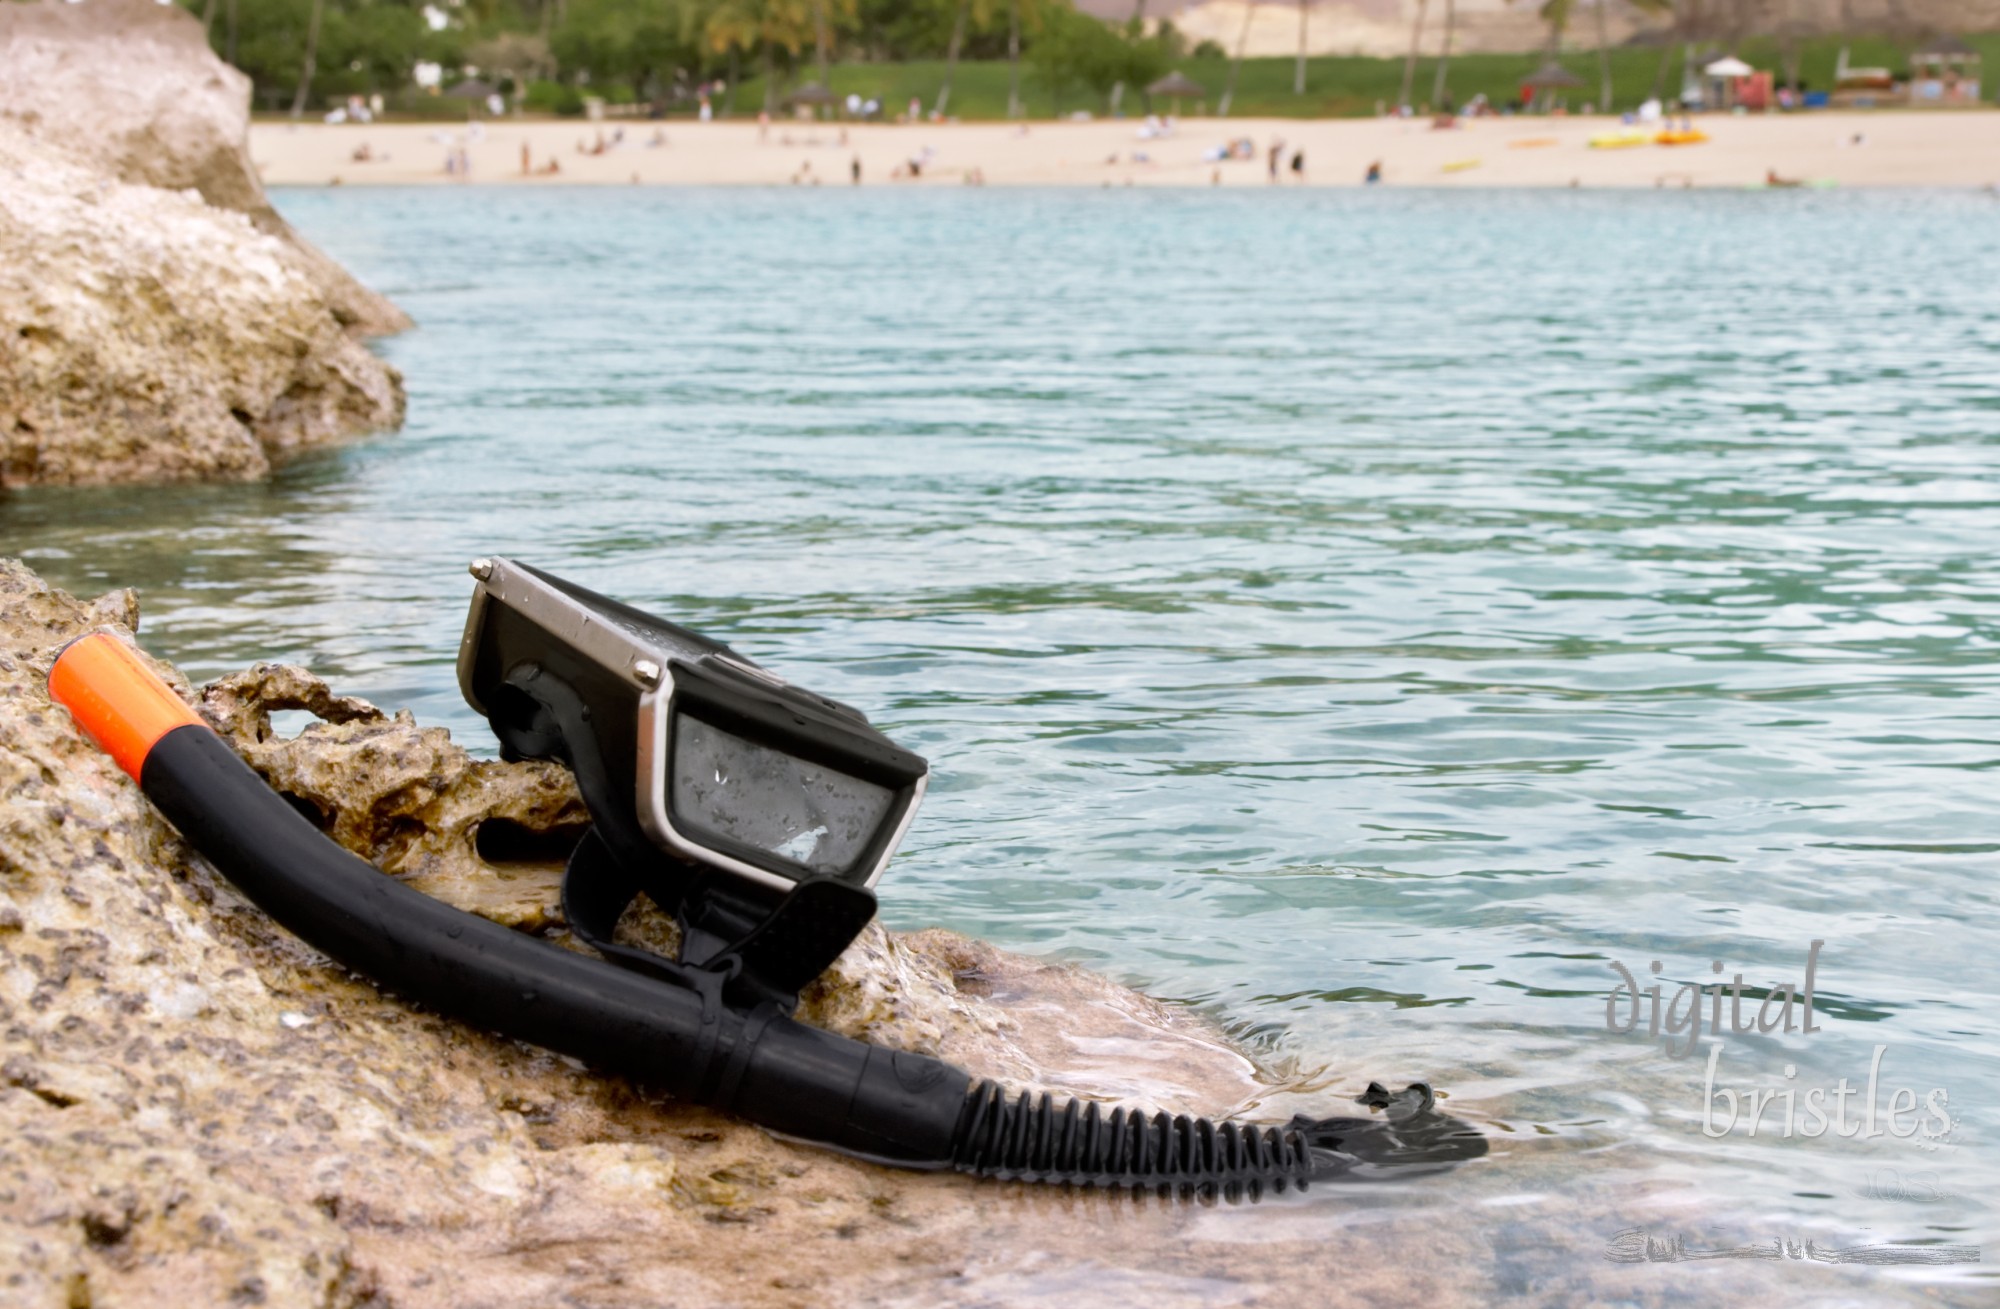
(812,93)
(1549,77)
(1944,69)
(1175,85)
(1943,48)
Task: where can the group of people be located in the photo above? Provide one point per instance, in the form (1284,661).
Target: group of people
(1277,161)
(1279,156)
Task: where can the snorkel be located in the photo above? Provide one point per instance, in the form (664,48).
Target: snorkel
(760,816)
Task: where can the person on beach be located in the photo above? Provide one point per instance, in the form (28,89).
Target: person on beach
(763,126)
(527,160)
(1374,173)
(854,169)
(1277,157)
(1299,166)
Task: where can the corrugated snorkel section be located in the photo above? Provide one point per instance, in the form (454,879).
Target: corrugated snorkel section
(1042,1139)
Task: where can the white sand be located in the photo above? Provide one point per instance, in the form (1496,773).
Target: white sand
(1914,148)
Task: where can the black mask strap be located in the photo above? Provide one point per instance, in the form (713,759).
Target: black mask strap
(765,950)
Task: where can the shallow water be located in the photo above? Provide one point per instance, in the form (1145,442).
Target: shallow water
(1365,616)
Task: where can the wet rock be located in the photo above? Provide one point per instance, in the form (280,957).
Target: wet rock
(195,1108)
(157,320)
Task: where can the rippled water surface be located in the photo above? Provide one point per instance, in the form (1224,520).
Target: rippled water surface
(1368,617)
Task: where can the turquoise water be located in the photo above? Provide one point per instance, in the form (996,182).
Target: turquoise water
(1367,617)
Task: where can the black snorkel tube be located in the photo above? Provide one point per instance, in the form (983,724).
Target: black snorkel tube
(715,1025)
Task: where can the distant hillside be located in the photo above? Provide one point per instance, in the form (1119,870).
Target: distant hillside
(1382,27)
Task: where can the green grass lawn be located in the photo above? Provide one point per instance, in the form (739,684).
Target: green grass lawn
(1336,87)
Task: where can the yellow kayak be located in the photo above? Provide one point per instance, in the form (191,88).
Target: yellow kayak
(1622,139)
(1460,165)
(1671,137)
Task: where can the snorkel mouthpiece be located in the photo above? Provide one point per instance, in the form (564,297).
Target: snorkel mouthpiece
(759,815)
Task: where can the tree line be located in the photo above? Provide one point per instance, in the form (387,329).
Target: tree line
(306,54)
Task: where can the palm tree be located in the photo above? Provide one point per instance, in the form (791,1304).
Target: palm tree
(820,41)
(1438,88)
(312,49)
(1235,64)
(1299,70)
(965,10)
(729,28)
(1410,64)
(1603,61)
(735,26)
(1666,7)
(825,14)
(1013,58)
(1556,14)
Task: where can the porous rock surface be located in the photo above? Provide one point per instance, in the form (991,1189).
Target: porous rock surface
(158,319)
(196,1109)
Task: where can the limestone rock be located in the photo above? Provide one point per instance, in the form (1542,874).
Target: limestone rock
(130,89)
(195,1108)
(157,320)
(147,335)
(406,798)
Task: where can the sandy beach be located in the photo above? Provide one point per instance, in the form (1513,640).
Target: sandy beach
(1949,149)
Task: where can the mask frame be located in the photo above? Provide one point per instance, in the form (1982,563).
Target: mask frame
(631,667)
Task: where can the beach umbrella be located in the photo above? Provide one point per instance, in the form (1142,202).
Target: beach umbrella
(1175,85)
(1943,47)
(812,93)
(1728,66)
(1551,75)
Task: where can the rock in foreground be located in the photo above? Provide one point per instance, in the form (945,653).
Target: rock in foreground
(158,320)
(196,1109)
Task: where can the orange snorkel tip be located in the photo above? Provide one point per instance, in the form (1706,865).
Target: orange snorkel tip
(116,699)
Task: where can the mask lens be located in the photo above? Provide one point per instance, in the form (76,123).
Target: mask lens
(735,789)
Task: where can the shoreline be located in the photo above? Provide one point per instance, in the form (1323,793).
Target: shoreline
(1942,148)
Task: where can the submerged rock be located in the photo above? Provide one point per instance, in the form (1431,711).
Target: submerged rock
(158,319)
(196,1108)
